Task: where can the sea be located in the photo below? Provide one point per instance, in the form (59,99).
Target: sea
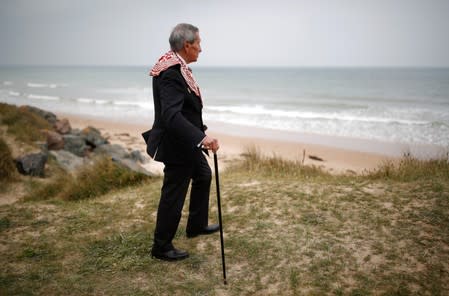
(407,106)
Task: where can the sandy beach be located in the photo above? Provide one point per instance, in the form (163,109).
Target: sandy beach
(332,159)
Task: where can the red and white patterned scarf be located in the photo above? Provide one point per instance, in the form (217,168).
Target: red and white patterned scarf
(170,59)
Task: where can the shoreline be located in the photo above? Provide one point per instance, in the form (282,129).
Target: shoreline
(234,142)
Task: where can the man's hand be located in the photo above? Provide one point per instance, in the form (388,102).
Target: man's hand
(210,144)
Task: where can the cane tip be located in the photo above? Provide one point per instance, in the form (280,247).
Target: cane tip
(225,282)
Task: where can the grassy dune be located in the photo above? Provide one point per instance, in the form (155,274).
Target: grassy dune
(289,230)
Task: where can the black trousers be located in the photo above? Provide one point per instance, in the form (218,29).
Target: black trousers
(173,193)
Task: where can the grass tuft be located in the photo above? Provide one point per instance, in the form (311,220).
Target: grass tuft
(5,223)
(7,168)
(91,181)
(99,178)
(410,168)
(275,165)
(23,124)
(45,190)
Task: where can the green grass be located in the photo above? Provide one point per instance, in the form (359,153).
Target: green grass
(289,230)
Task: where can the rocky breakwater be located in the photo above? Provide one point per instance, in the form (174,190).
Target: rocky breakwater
(73,148)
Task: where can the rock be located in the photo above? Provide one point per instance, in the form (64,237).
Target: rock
(63,126)
(68,161)
(76,132)
(155,167)
(133,166)
(136,155)
(93,136)
(121,156)
(113,150)
(32,164)
(55,141)
(75,144)
(50,117)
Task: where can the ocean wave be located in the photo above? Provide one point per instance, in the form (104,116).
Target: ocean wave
(145,105)
(85,100)
(363,130)
(262,111)
(40,85)
(43,97)
(7,83)
(14,93)
(45,85)
(440,124)
(125,90)
(92,101)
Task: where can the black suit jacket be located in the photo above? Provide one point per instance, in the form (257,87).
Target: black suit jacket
(178,125)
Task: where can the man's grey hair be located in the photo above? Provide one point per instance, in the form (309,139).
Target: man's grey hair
(180,34)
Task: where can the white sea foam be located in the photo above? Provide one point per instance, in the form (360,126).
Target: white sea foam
(383,131)
(45,85)
(85,100)
(262,111)
(14,93)
(7,83)
(37,85)
(122,90)
(43,97)
(145,105)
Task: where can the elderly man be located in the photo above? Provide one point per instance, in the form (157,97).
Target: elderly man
(177,139)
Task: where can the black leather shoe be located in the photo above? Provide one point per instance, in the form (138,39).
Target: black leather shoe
(206,230)
(171,255)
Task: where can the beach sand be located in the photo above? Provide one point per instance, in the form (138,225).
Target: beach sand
(333,159)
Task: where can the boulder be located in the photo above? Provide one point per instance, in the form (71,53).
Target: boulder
(76,131)
(133,166)
(63,126)
(75,144)
(112,150)
(55,141)
(136,155)
(93,136)
(67,160)
(121,156)
(155,167)
(32,164)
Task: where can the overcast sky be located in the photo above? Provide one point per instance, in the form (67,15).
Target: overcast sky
(234,32)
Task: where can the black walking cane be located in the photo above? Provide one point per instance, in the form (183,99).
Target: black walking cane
(219,218)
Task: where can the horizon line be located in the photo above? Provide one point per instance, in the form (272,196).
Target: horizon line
(245,66)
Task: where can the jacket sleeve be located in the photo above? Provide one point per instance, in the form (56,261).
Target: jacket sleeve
(172,93)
